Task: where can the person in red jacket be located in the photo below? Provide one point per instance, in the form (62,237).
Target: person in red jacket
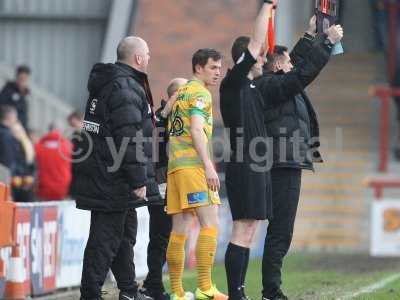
(53,157)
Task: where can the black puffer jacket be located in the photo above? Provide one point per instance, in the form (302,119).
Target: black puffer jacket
(118,115)
(290,118)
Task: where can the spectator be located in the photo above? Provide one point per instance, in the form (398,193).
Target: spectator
(75,120)
(53,157)
(34,136)
(8,117)
(24,152)
(14,94)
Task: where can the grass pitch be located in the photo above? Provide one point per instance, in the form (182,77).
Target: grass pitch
(319,277)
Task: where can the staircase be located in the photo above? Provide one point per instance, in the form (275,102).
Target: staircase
(334,207)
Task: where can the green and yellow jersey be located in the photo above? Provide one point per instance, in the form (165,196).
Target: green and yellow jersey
(193,99)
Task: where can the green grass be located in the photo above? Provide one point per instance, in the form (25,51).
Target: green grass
(306,277)
(389,292)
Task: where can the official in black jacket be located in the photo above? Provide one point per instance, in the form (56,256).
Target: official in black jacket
(114,172)
(292,123)
(14,93)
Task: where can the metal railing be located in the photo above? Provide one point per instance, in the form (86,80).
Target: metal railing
(384,94)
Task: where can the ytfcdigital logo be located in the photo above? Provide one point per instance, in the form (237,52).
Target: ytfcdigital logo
(77,152)
(260,152)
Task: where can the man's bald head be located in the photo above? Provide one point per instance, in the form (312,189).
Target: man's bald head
(133,51)
(174,85)
(129,46)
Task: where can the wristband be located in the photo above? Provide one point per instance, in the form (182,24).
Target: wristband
(268,1)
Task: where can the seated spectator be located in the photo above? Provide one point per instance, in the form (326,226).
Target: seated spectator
(53,158)
(23,180)
(34,136)
(8,144)
(75,120)
(14,94)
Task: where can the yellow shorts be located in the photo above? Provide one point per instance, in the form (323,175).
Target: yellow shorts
(188,189)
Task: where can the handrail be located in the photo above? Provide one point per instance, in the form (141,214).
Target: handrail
(381,183)
(384,93)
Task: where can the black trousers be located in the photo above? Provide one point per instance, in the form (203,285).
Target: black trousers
(110,245)
(160,230)
(286,185)
(111,240)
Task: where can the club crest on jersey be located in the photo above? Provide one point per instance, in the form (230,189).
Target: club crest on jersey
(200,103)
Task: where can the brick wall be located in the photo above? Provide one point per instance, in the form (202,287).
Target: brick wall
(175,29)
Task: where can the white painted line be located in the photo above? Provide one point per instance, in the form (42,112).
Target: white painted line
(372,288)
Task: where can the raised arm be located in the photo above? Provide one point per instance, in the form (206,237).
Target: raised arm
(244,64)
(260,30)
(303,46)
(281,87)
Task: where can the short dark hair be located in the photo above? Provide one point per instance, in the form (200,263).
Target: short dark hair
(239,47)
(201,56)
(279,50)
(5,111)
(75,115)
(23,69)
